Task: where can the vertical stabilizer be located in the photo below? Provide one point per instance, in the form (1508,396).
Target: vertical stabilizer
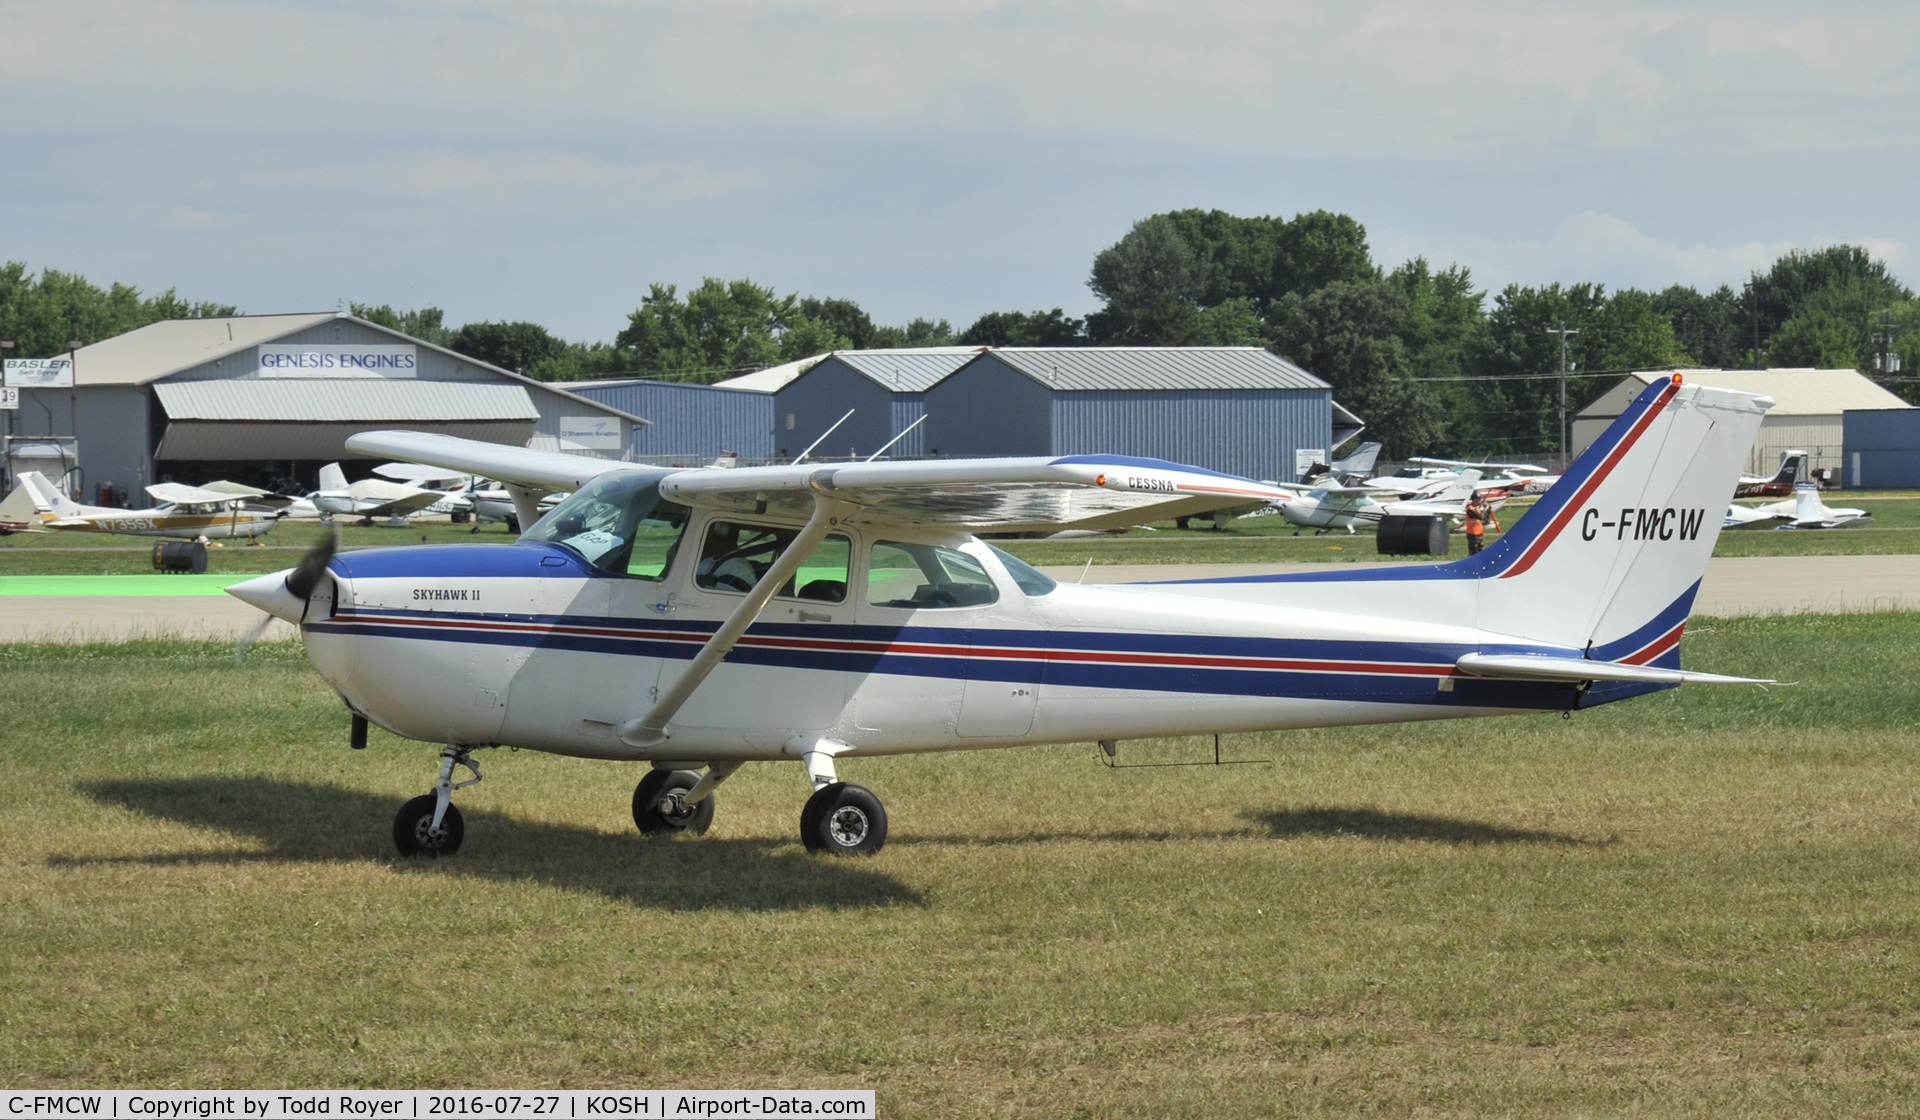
(332,479)
(47,498)
(1610,559)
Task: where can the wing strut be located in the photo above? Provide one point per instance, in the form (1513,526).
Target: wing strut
(651,729)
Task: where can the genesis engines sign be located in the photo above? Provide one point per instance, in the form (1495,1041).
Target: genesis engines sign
(325,359)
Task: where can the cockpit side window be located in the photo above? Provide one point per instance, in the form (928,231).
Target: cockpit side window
(734,556)
(926,577)
(619,523)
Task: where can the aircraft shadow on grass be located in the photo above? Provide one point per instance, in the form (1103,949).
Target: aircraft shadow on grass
(1287,824)
(302,823)
(1373,824)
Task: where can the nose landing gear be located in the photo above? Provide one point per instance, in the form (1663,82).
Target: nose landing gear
(429,825)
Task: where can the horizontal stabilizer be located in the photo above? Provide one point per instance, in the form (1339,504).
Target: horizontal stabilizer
(1529,667)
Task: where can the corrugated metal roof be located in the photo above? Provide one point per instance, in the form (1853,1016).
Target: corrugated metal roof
(772,379)
(907,371)
(158,349)
(345,399)
(1158,367)
(1795,392)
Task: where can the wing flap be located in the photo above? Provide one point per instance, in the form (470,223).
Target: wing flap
(1528,667)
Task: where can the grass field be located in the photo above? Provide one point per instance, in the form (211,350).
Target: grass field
(1701,903)
(1258,540)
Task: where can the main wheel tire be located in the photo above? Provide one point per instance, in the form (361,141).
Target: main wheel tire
(845,820)
(654,806)
(414,834)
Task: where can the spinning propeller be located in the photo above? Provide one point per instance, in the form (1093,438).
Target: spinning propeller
(283,594)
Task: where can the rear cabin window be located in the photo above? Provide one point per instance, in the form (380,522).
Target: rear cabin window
(926,577)
(619,523)
(734,557)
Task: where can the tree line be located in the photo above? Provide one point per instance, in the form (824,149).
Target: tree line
(1433,364)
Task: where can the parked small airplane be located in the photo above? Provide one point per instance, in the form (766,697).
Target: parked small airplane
(1805,510)
(1344,472)
(1350,507)
(186,512)
(1792,472)
(453,486)
(699,619)
(369,498)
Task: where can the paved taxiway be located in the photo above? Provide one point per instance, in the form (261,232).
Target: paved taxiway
(1733,586)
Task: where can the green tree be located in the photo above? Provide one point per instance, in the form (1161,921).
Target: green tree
(428,324)
(1631,332)
(1024,328)
(518,346)
(1152,281)
(1712,328)
(917,335)
(1347,332)
(1233,323)
(721,329)
(843,319)
(1819,339)
(1843,280)
(41,315)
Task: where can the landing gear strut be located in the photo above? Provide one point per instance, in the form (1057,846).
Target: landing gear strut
(429,825)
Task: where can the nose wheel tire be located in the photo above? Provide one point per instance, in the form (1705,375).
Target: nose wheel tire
(657,804)
(843,819)
(414,834)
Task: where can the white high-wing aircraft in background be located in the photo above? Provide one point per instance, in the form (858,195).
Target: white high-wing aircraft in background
(369,498)
(1805,510)
(1348,507)
(1432,474)
(185,512)
(454,487)
(697,620)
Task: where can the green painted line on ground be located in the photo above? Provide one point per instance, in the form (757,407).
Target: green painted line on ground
(163,585)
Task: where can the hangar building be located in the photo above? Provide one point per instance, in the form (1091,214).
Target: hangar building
(691,423)
(260,398)
(1807,409)
(885,389)
(1882,448)
(1238,409)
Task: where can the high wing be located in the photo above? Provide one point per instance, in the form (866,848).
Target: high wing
(1461,464)
(174,493)
(391,499)
(979,495)
(547,471)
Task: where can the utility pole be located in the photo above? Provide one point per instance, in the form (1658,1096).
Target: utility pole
(1563,332)
(1888,361)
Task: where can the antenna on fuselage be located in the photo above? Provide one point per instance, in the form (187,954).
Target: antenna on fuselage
(823,436)
(895,439)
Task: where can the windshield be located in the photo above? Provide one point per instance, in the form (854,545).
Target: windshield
(619,523)
(1031,580)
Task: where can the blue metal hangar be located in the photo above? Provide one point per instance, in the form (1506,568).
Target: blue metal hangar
(1239,409)
(264,398)
(692,424)
(885,390)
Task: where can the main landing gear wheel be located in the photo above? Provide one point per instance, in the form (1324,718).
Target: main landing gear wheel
(415,835)
(843,819)
(658,805)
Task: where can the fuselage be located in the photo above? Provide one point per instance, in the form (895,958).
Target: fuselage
(190,523)
(530,645)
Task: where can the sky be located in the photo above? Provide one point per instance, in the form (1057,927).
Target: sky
(939,158)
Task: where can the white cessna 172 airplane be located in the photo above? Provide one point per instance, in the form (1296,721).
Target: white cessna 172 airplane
(1346,507)
(698,620)
(187,512)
